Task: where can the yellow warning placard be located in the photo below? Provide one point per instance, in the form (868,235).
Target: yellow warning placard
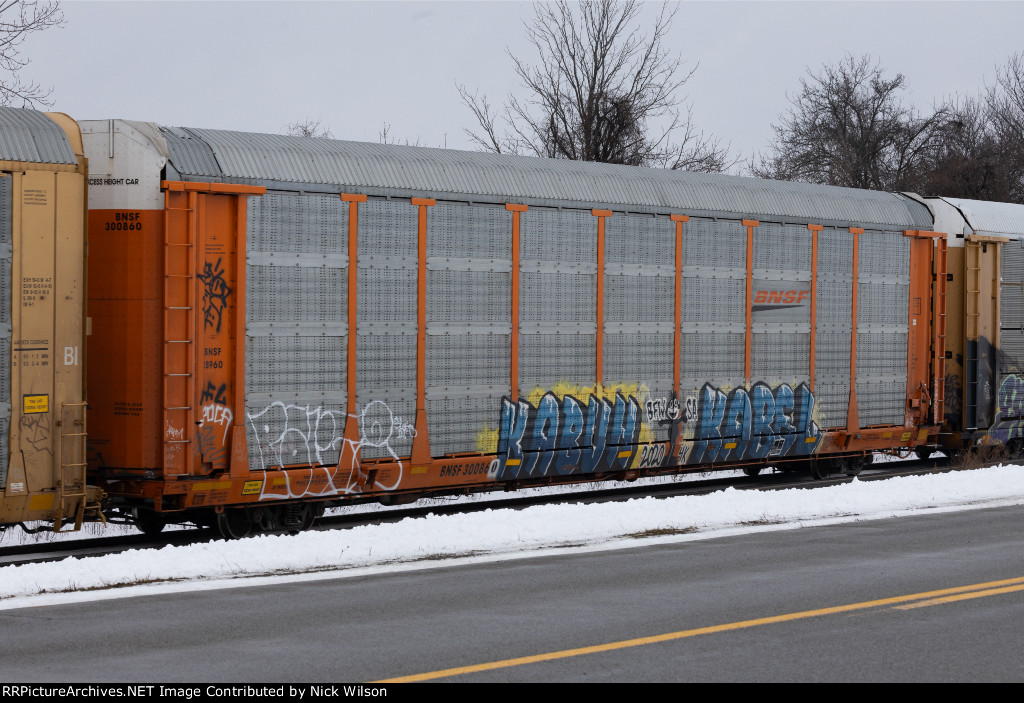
(251,487)
(36,404)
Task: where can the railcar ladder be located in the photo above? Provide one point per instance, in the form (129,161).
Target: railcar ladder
(178,334)
(972,318)
(939,343)
(71,490)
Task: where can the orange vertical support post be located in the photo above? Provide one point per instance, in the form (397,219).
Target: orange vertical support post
(852,419)
(239,464)
(421,443)
(812,371)
(599,341)
(516,210)
(679,220)
(750,225)
(349,451)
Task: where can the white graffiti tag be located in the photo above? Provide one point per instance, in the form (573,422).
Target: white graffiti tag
(215,414)
(295,434)
(290,435)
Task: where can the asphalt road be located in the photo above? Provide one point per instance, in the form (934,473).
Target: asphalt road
(745,608)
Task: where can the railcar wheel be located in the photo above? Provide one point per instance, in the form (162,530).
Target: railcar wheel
(234,524)
(148,522)
(858,463)
(301,519)
(923,452)
(821,468)
(752,471)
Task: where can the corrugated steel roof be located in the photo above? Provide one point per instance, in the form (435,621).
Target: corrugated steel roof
(1003,219)
(31,136)
(189,155)
(390,169)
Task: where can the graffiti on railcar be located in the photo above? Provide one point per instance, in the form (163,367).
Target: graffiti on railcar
(214,423)
(291,435)
(215,294)
(566,436)
(35,431)
(1009,421)
(953,398)
(662,409)
(755,424)
(560,434)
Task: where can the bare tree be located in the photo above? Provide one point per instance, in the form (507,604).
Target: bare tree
(19,19)
(969,160)
(310,128)
(601,90)
(386,136)
(1005,111)
(848,126)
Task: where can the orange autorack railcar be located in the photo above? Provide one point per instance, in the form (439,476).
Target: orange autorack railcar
(277,324)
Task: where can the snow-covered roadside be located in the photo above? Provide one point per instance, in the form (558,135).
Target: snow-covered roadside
(499,534)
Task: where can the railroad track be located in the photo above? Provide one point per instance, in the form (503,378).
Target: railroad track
(357,515)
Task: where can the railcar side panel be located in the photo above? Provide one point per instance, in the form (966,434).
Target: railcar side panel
(1009,419)
(981,326)
(43,249)
(297,329)
(883,280)
(469,325)
(6,253)
(387,330)
(125,299)
(833,325)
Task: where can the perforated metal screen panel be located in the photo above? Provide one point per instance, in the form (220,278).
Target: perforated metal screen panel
(1011,309)
(882,311)
(387,327)
(640,240)
(639,306)
(298,224)
(834,327)
(297,368)
(5,323)
(712,343)
(289,297)
(557,299)
(781,305)
(296,328)
(469,313)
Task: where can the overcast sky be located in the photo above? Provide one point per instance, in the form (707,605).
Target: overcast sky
(257,66)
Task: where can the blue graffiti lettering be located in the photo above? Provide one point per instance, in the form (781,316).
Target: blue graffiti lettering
(763,405)
(514,417)
(560,439)
(567,461)
(754,424)
(624,432)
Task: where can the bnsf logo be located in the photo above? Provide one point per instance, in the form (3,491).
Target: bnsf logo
(780,297)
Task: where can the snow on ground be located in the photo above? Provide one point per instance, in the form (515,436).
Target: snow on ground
(13,537)
(497,534)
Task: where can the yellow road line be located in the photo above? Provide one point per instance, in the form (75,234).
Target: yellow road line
(973,591)
(962,596)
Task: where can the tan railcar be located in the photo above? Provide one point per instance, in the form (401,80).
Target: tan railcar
(43,175)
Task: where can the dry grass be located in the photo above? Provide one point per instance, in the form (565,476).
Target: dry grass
(662,532)
(981,456)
